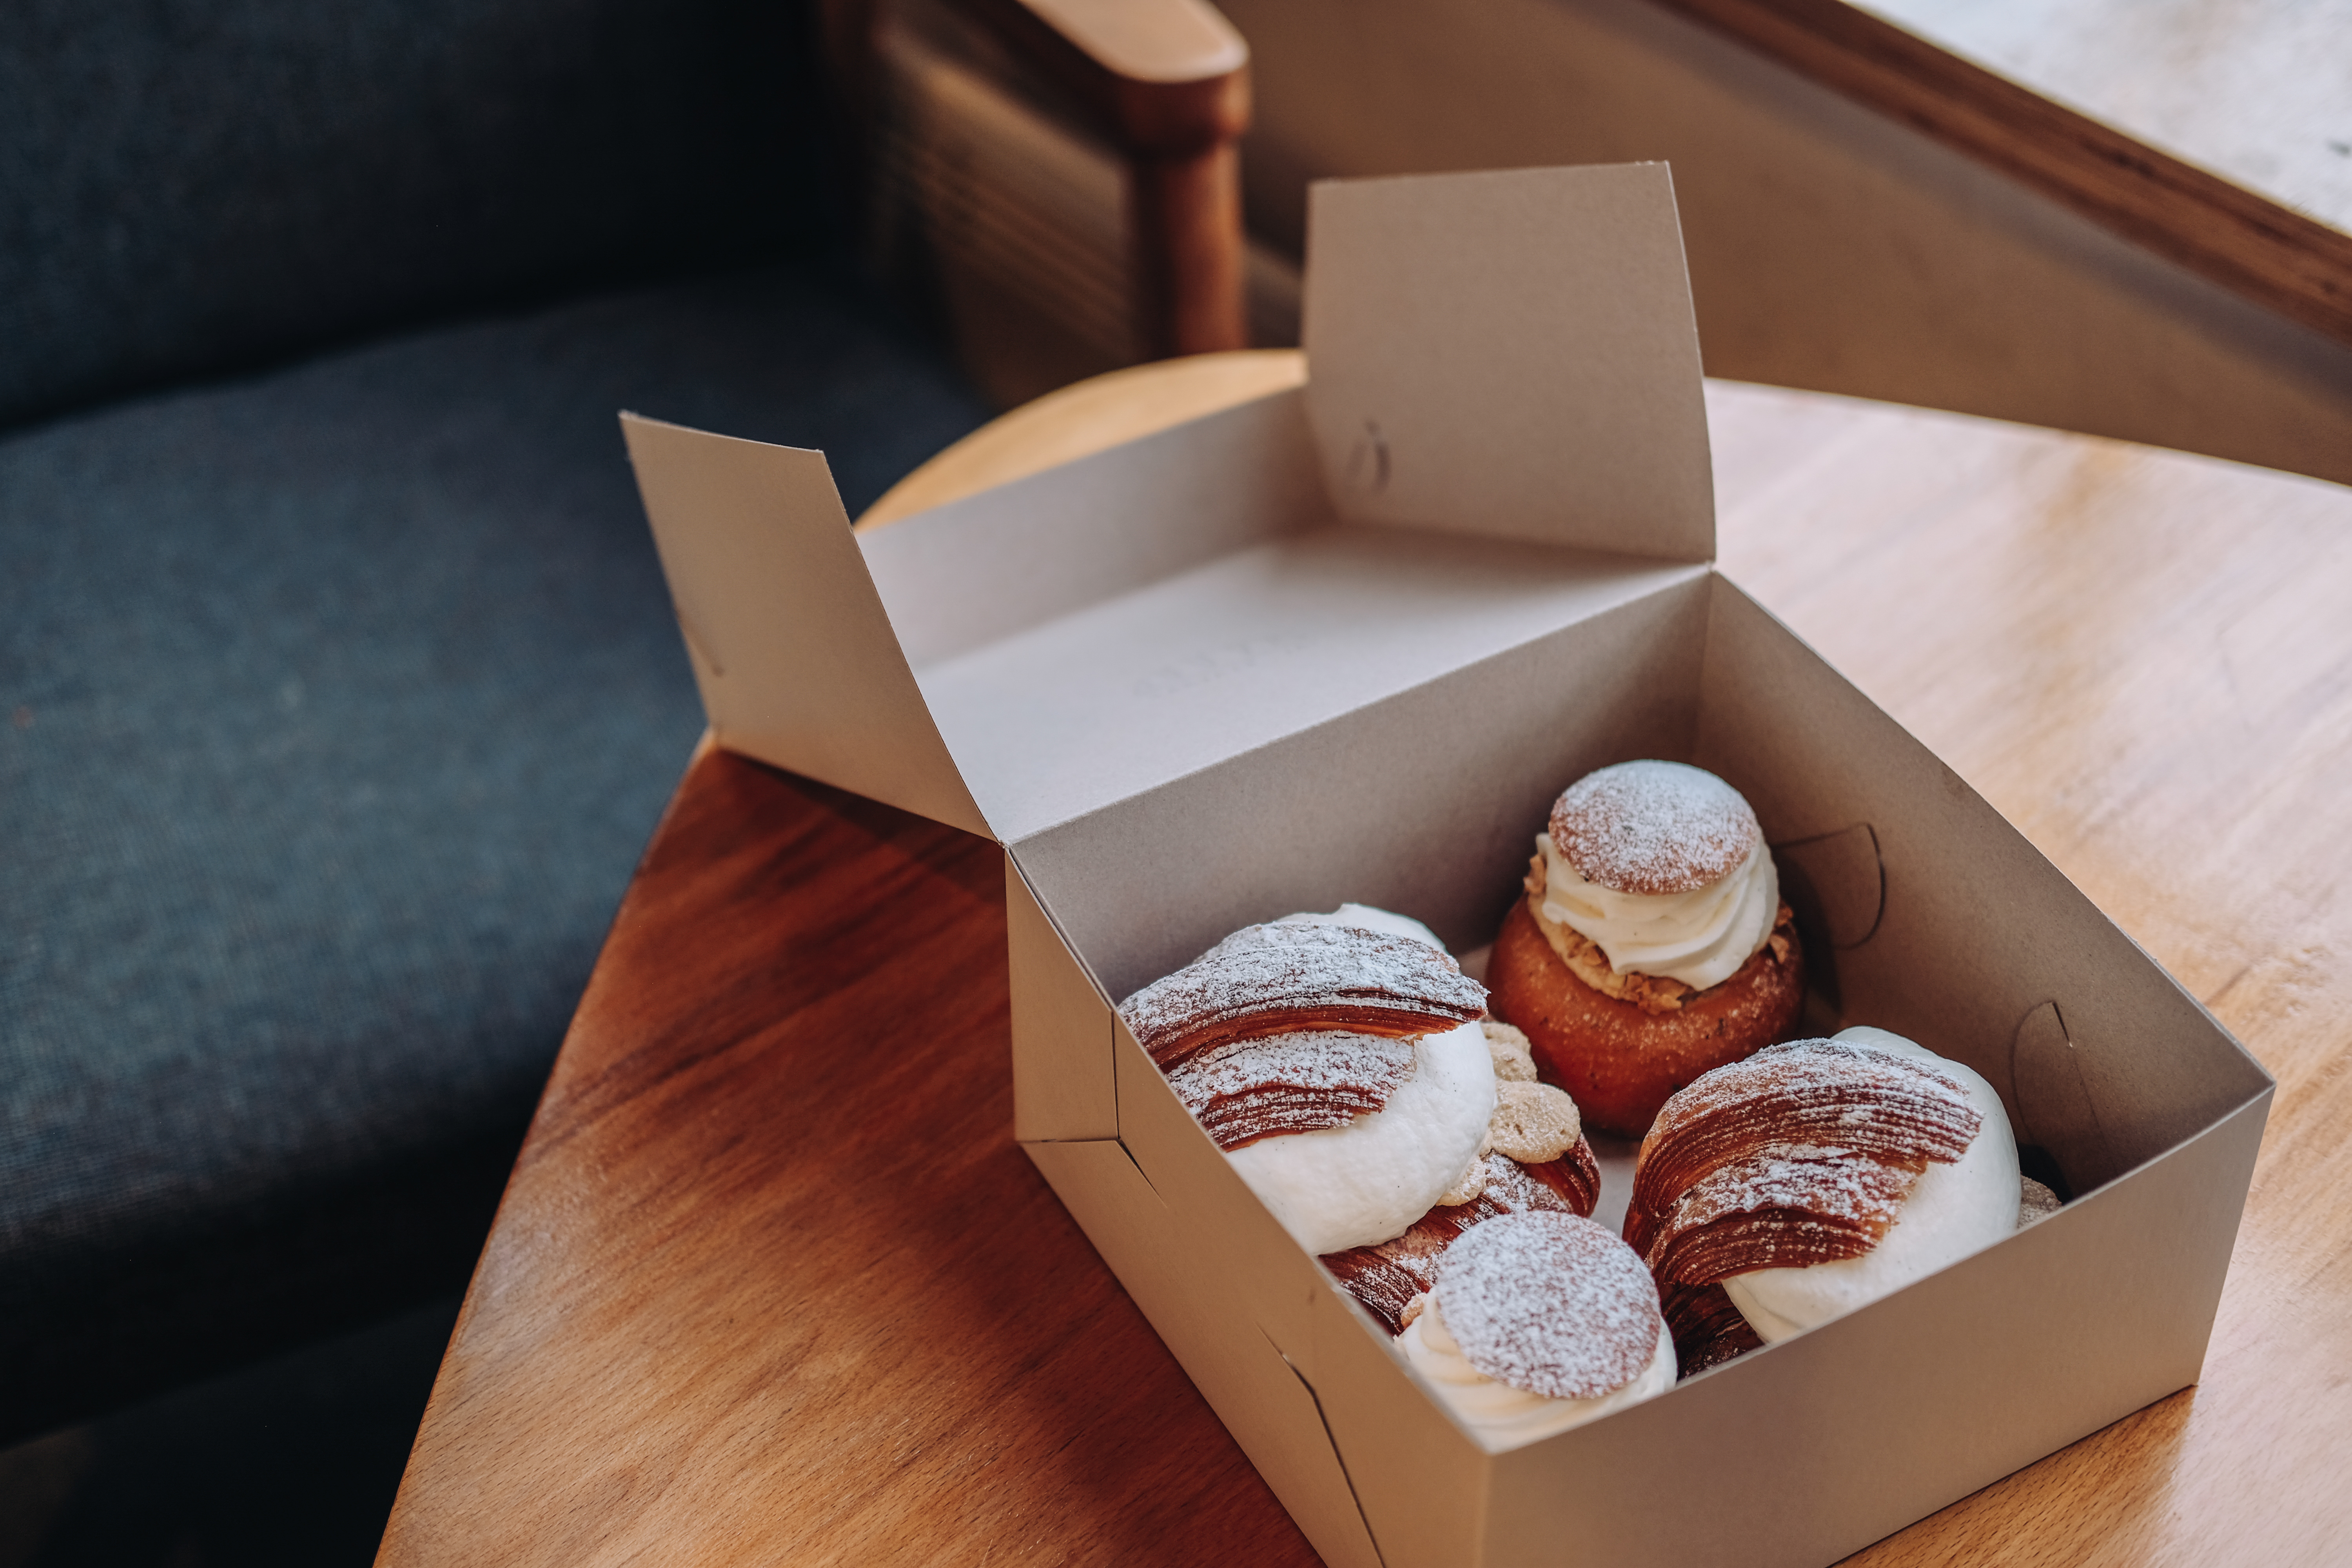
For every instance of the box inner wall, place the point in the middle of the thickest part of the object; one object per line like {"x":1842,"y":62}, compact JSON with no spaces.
{"x":1428,"y":801}
{"x":1425,"y":801}
{"x":1979,"y":931}
{"x":1113,"y":699}
{"x":997,"y":562}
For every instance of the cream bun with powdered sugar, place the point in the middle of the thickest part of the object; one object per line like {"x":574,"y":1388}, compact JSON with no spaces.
{"x":1813,"y":1178}
{"x":1342,"y":1069}
{"x":1652,"y":945}
{"x":1535,"y":1159}
{"x":1538,"y":1322}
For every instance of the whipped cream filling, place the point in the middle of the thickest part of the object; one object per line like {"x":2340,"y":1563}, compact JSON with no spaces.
{"x":1953,"y":1210}
{"x":1501,"y":1415}
{"x":1364,"y":916}
{"x":1700,"y":938}
{"x":1339,"y":1187}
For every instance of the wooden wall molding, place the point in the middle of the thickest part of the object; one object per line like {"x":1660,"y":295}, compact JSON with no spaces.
{"x":2245,"y":242}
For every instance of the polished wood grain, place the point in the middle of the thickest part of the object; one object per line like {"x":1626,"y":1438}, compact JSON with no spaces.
{"x":2145,"y":661}
{"x":772,"y":1284}
{"x":2266,"y":245}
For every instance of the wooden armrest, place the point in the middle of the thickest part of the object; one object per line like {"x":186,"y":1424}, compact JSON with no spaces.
{"x":1165,"y":77}
{"x":1168,"y":80}
{"x":1166,"y":83}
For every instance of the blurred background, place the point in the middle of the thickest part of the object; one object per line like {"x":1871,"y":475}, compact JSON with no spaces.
{"x":342,"y":686}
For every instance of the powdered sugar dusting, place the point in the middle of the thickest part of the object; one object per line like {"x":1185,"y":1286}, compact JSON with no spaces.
{"x":1386,"y":1276}
{"x":1269,"y":979}
{"x":1652,"y":828}
{"x":1803,"y":1153}
{"x":1244,"y":1090}
{"x":1511,"y":1188}
{"x":1785,"y":1206}
{"x":1550,"y":1304}
{"x":1833,"y":1185}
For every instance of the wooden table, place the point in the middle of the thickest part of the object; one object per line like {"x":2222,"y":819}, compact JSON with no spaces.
{"x":771,"y":1283}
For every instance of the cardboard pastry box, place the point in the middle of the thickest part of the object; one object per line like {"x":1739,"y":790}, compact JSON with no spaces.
{"x":1346,"y":643}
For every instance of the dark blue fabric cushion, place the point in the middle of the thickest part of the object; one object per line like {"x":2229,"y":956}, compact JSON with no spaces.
{"x":335,"y":708}
{"x":189,"y":186}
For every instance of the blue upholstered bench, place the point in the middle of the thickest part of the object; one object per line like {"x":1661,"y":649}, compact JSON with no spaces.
{"x":339,"y":689}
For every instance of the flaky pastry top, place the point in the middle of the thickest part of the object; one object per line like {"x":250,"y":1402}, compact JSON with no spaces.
{"x":1802,"y":1153}
{"x":1278,"y":979}
{"x":1243,"y":1090}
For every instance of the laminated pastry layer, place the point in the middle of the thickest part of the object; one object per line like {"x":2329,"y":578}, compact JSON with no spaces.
{"x":1298,"y":1081}
{"x":1350,"y":1185}
{"x":1801,"y":1153}
{"x":1785,"y":1189}
{"x":1340,"y":1068}
{"x":1278,"y":978}
{"x":1386,"y":1276}
{"x":1952,"y":1210}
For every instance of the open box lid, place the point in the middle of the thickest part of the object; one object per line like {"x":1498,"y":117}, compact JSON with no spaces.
{"x":1504,"y":432}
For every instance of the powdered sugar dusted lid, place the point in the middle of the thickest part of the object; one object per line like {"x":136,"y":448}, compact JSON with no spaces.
{"x":1549,"y":1303}
{"x":1652,"y":828}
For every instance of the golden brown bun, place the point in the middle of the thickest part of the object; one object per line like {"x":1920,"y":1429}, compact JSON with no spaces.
{"x":1618,"y":1062}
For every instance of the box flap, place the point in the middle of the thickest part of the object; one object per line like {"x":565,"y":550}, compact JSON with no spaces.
{"x":793,"y":650}
{"x":1093,"y":631}
{"x":1511,"y":354}
{"x":1033,"y":653}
